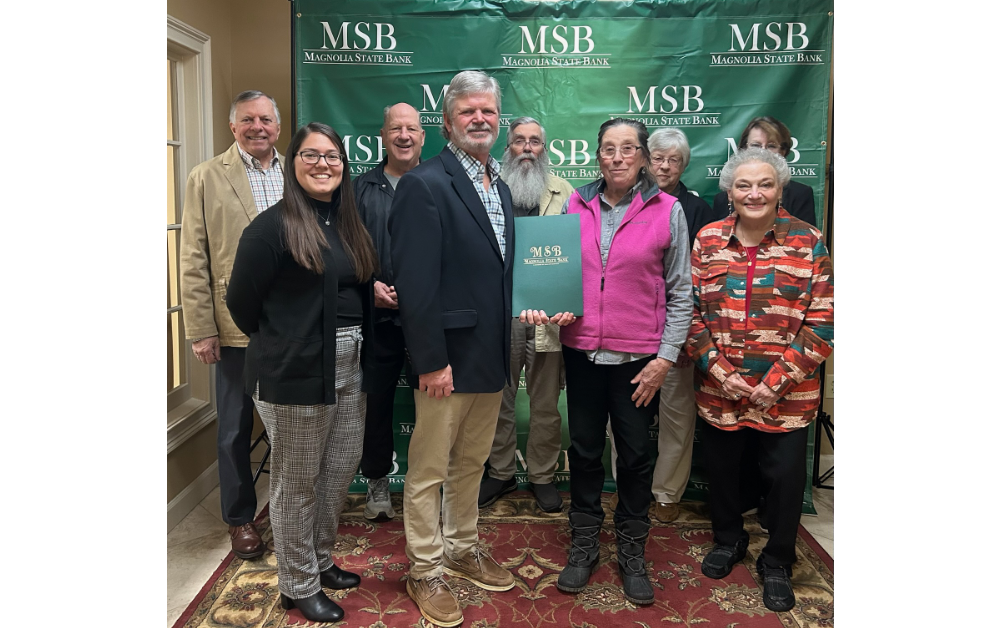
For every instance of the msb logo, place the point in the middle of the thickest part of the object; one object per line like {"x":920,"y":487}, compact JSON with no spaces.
{"x":668,"y":105}
{"x":559,"y":46}
{"x":774,"y":43}
{"x":358,"y":43}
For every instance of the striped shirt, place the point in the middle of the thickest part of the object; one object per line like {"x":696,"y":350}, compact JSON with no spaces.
{"x":267,"y":185}
{"x":490,"y":198}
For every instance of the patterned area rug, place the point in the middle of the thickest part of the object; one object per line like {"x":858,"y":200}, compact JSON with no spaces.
{"x":533,"y":545}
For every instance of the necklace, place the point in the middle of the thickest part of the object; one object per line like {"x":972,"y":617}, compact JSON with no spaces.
{"x":328,"y":214}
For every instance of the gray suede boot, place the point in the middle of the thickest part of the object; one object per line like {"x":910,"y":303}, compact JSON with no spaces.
{"x":632,"y":535}
{"x":583,"y":552}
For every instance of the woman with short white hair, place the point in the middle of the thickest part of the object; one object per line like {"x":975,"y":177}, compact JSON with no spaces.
{"x":763,"y":323}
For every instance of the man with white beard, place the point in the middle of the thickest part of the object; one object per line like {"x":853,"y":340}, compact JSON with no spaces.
{"x":535,"y":192}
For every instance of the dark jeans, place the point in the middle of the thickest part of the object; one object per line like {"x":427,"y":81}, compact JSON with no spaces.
{"x":235,"y":408}
{"x":593,"y":392}
{"x":387,"y":352}
{"x":782,"y":461}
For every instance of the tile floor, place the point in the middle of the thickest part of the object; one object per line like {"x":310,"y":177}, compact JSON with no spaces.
{"x":199,"y":543}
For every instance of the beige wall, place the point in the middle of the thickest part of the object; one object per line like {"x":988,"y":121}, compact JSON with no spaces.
{"x":251,"y":49}
{"x":190,"y":460}
{"x":264,"y":62}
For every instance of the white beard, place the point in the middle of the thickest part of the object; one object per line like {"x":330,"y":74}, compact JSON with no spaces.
{"x":526,"y":183}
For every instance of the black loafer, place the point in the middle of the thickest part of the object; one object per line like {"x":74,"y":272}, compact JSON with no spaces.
{"x":721,"y":559}
{"x":337,"y":578}
{"x":778,"y":594}
{"x":316,"y":607}
{"x":547,"y":496}
{"x":491,"y":489}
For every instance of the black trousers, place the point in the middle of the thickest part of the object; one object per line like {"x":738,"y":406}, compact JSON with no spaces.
{"x":235,"y":408}
{"x":387,"y":353}
{"x":782,"y":461}
{"x":593,"y":392}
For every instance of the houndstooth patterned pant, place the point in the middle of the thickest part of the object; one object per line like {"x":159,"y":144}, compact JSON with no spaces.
{"x":315,"y":452}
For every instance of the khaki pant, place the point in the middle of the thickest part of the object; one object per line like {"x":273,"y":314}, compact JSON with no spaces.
{"x":451,"y":440}
{"x":678,"y":414}
{"x":543,"y":372}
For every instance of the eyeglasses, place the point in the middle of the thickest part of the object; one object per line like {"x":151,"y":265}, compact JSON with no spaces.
{"x":673,"y":162}
{"x":628,"y":150}
{"x":533,"y":142}
{"x":771,"y":146}
{"x":311,"y":158}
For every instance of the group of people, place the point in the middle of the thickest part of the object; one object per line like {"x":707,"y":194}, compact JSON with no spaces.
{"x":311,"y":292}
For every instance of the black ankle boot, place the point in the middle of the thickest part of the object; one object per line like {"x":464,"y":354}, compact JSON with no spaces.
{"x":632,"y":535}
{"x":337,"y":578}
{"x":316,"y":607}
{"x":583,"y":553}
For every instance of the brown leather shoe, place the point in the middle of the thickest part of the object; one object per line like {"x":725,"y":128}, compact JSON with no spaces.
{"x":435,"y":600}
{"x":665,"y":513}
{"x":479,"y":568}
{"x":246,"y":541}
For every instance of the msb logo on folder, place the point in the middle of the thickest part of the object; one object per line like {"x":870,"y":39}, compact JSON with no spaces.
{"x":547,"y":269}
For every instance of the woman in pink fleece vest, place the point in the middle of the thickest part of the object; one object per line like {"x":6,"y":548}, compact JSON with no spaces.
{"x":636,"y":313}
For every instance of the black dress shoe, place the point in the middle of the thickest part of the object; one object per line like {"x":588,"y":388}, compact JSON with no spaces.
{"x":337,"y":578}
{"x":316,"y":607}
{"x":778,"y":594}
{"x":491,"y":489}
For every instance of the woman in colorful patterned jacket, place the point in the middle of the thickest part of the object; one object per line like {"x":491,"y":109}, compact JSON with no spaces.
{"x":758,"y":352}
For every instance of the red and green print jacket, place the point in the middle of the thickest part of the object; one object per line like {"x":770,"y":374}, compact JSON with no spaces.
{"x":789,"y":331}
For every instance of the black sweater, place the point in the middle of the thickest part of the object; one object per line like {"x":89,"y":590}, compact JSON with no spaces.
{"x":289,"y":312}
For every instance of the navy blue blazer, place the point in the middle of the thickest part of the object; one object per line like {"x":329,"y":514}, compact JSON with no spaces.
{"x":454,"y":287}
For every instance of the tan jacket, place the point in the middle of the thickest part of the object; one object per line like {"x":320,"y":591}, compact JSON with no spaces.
{"x":218,"y":205}
{"x":555,"y":196}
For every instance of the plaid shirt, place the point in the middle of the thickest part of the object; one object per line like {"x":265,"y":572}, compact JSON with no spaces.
{"x":789,"y":331}
{"x":490,"y":198}
{"x":267,"y":185}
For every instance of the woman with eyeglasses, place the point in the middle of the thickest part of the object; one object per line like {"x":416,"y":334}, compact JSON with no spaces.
{"x":301,"y":289}
{"x":769,"y":133}
{"x":636,"y":313}
{"x":670,"y":156}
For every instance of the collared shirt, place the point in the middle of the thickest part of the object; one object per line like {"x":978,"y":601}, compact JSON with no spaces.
{"x":267,"y":185}
{"x":491,"y":197}
{"x":788,"y":333}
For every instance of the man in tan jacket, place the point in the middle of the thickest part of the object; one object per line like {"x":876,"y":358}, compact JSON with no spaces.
{"x":222,"y":196}
{"x":535,"y":192}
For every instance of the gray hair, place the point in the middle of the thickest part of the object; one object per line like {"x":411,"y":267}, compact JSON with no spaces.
{"x":465,"y":83}
{"x":671,"y":138}
{"x":516,"y":122}
{"x":247,"y":96}
{"x":750,"y":155}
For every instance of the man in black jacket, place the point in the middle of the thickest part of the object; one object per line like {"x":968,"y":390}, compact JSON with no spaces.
{"x":452,"y":244}
{"x":403,"y":138}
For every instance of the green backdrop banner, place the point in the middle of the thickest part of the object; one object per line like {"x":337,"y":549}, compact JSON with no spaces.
{"x":704,"y":66}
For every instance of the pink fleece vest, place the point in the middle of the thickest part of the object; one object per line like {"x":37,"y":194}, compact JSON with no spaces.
{"x":624,"y":305}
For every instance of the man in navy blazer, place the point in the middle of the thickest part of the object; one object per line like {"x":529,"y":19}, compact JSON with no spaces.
{"x":452,"y":238}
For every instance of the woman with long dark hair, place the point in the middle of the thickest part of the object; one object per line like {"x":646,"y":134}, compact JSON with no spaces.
{"x":301,"y":289}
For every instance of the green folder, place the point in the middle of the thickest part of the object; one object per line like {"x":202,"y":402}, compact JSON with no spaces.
{"x":548,"y":273}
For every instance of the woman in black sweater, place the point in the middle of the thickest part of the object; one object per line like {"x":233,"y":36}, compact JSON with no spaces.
{"x":301,"y":289}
